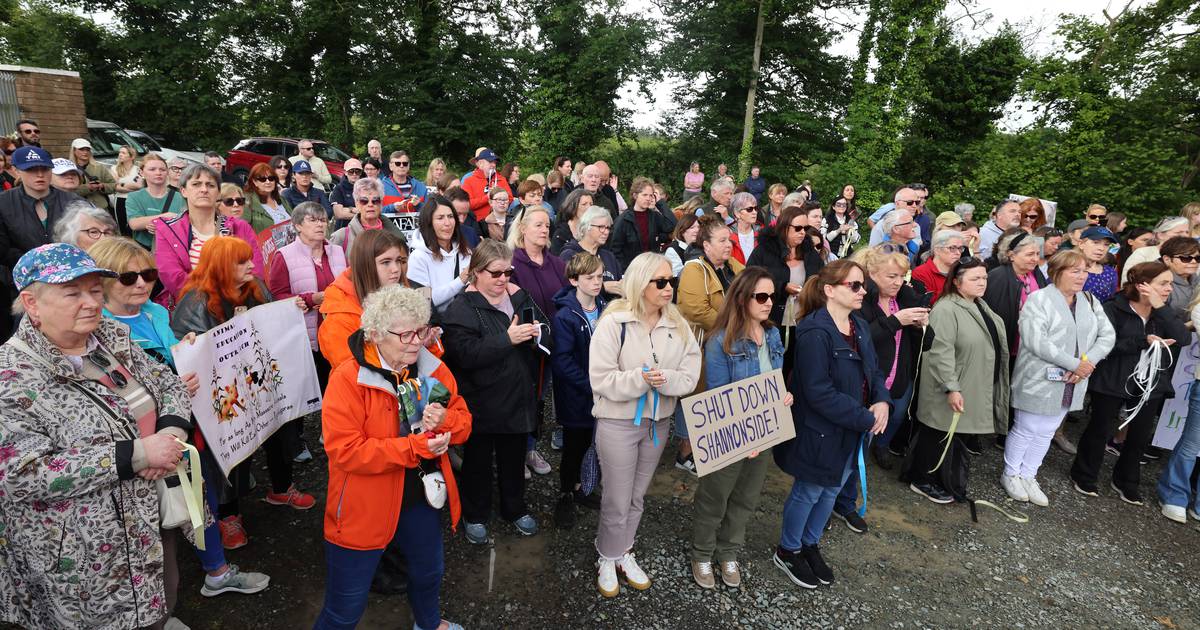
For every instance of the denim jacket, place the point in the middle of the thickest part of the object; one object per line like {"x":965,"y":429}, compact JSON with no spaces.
{"x":721,"y":369}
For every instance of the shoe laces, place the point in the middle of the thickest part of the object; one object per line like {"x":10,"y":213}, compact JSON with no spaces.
{"x":629,"y":565}
{"x":705,"y":568}
{"x":729,"y":566}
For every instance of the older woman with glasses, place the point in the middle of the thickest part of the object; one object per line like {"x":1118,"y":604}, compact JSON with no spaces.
{"x":948,"y":245}
{"x":368,"y":215}
{"x":83,"y":224}
{"x":595,"y":226}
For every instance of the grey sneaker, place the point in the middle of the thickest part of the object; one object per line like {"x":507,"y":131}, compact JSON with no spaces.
{"x":304,"y":456}
{"x":477,"y":533}
{"x":526,"y":525}
{"x":234,"y":581}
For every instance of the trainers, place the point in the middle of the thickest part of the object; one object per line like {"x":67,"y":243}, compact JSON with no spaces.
{"x":587,"y":500}
{"x":897,"y":450}
{"x":528,"y":474}
{"x":855,"y":522}
{"x":606,"y":578}
{"x":1113,"y":448}
{"x":796,"y":568}
{"x":972,"y":444}
{"x":1194,"y":514}
{"x":1153,"y":453}
{"x":702,"y":572}
{"x":477,"y":533}
{"x":812,"y":555}
{"x":292,"y":497}
{"x":233,"y":533}
{"x":634,"y":576}
{"x":234,"y":581}
{"x":1175,"y":513}
{"x":1086,"y":489}
{"x":1132,"y":497}
{"x":999,"y":443}
{"x":535,"y":461}
{"x":731,"y":574}
{"x":556,"y":439}
{"x":931,"y":492}
{"x":305,"y":454}
{"x":1034,"y":491}
{"x":564,"y":511}
{"x":687,"y":464}
{"x":1015,"y":489}
{"x":450,"y":625}
{"x":526,"y":525}
{"x":1060,"y":440}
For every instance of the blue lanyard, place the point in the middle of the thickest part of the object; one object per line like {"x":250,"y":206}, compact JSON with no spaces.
{"x":641,"y":407}
{"x":862,"y":473}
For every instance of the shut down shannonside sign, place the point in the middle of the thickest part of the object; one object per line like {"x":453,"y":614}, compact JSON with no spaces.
{"x":728,"y":423}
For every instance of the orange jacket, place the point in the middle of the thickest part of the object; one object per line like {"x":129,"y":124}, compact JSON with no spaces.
{"x":476,"y":187}
{"x":343,"y":313}
{"x":367,"y":456}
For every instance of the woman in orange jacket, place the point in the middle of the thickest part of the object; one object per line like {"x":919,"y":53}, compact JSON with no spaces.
{"x":389,"y":479}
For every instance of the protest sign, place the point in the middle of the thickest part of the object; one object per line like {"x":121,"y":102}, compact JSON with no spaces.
{"x":406,"y":222}
{"x":726,"y":424}
{"x":273,"y":238}
{"x":256,"y":373}
{"x":1175,"y":411}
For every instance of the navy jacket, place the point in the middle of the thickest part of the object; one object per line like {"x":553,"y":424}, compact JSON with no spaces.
{"x":828,"y":409}
{"x":569,"y":361}
{"x":315,"y":195}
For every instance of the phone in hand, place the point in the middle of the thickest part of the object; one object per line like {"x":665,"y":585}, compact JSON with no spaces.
{"x":1056,"y":374}
{"x":527,"y":315}
{"x":926,"y":300}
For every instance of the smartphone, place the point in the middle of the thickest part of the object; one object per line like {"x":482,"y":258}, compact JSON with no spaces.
{"x":926,"y":300}
{"x":527,"y":315}
{"x":1056,"y":374}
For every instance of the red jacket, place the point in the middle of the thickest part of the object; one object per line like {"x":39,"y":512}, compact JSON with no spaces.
{"x":367,"y":456}
{"x":737,"y":252}
{"x":476,"y":186}
{"x":933,"y":279}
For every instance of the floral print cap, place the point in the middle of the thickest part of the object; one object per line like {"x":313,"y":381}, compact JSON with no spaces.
{"x":56,"y":263}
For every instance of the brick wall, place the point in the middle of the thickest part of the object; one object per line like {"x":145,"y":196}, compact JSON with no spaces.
{"x":55,"y":100}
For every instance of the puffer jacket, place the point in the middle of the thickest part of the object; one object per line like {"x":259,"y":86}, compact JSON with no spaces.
{"x":1112,"y":374}
{"x":79,"y":530}
{"x":771,"y":255}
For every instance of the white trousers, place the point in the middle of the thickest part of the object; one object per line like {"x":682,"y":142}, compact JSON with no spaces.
{"x":1028,"y":441}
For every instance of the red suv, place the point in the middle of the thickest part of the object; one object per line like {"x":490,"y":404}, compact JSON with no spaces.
{"x":251,"y":151}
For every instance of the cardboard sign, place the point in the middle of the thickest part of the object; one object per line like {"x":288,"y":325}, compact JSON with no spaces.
{"x":1175,"y":411}
{"x":256,"y":374}
{"x":728,"y":423}
{"x":406,"y":222}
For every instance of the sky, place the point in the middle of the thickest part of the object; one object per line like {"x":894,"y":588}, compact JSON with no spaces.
{"x":1036,"y":18}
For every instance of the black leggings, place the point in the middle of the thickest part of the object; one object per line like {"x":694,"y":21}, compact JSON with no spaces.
{"x":279,"y":464}
{"x":1101,"y":426}
{"x":575,"y":445}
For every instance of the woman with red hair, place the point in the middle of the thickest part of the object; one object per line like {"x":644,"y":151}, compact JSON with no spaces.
{"x":265,"y":206}
{"x":222,"y":285}
{"x":1033,"y":214}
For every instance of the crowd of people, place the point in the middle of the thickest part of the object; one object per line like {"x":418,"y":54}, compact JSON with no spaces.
{"x":442,"y":350}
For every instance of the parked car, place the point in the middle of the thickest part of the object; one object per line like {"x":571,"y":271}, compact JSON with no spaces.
{"x":150,"y":143}
{"x":107,"y":138}
{"x":251,"y":151}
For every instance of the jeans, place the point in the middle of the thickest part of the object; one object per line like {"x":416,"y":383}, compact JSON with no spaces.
{"x":349,"y":572}
{"x":847,"y":499}
{"x":807,"y":510}
{"x":1175,"y":486}
{"x":899,"y":413}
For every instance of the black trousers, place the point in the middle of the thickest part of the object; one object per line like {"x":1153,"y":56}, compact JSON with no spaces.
{"x":475,"y":481}
{"x":575,"y":446}
{"x":1101,"y":427}
{"x":924,"y":451}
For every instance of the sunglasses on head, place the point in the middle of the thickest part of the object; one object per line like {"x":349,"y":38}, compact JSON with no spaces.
{"x":762,"y":298}
{"x":507,"y":273}
{"x":855,"y":286}
{"x":965,"y":264}
{"x":661,"y":283}
{"x":234,"y":201}
{"x":129,"y":278}
{"x":262,"y":179}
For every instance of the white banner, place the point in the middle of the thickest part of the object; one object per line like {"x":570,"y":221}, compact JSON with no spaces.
{"x":1175,"y":412}
{"x":256,"y":373}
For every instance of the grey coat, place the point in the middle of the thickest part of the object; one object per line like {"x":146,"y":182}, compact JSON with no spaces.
{"x":961,"y":359}
{"x":1051,"y":337}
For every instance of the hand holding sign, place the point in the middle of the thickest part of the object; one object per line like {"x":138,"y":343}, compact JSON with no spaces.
{"x":740,"y":420}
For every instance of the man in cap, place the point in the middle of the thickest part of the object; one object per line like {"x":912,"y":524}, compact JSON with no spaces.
{"x":302,"y":188}
{"x":482,"y":180}
{"x":308,"y":152}
{"x":97,"y":182}
{"x":64,"y":175}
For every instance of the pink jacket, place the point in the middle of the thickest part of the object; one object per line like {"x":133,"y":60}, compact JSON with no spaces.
{"x":173,"y":238}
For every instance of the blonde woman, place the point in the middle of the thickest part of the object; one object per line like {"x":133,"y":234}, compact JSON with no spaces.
{"x":233,"y":201}
{"x":1191,"y":212}
{"x":642,"y":350}
{"x":126,"y":172}
{"x":434,"y":175}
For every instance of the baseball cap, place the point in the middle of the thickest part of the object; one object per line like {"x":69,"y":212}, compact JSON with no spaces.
{"x":62,"y":166}
{"x":301,"y":166}
{"x":25,"y":158}
{"x":1097,"y":233}
{"x":949,"y":218}
{"x":81,"y":143}
{"x":350,"y":164}
{"x":1077,"y":224}
{"x":56,"y":263}
{"x":484,"y":153}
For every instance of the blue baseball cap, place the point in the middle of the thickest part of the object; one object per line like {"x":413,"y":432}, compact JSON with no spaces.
{"x":25,"y":158}
{"x":56,"y":263}
{"x":301,"y":166}
{"x":485,"y":153}
{"x":1097,"y":233}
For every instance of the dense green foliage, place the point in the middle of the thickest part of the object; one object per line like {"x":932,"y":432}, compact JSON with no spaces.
{"x":1110,"y":116}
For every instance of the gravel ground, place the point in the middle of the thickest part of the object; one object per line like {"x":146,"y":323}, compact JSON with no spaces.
{"x":1081,"y":563}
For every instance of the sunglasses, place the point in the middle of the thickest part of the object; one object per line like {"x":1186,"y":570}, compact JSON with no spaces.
{"x":661,"y":283}
{"x":1187,"y":259}
{"x":355,"y":171}
{"x":761,"y":298}
{"x":1031,"y":217}
{"x":234,"y":201}
{"x":262,"y":179}
{"x":909,"y":202}
{"x":892,"y":248}
{"x":855,"y":286}
{"x":965,"y":264}
{"x":306,"y":148}
{"x":30,"y":131}
{"x":129,"y":278}
{"x":750,"y":209}
{"x":398,"y":163}
{"x":105,"y":366}
{"x":1096,"y":217}
{"x":554,"y":190}
{"x":798,"y":228}
{"x":369,"y":201}
{"x":507,"y":273}
{"x":410,"y":336}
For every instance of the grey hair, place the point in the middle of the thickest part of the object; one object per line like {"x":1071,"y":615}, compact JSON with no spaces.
{"x":964,"y":208}
{"x":1004,"y":254}
{"x":1169,"y":223}
{"x":590,"y":215}
{"x":305,"y":210}
{"x":889,"y":221}
{"x":741,"y":200}
{"x":67,"y":228}
{"x":194,"y":170}
{"x":721,"y":184}
{"x":794,"y":199}
{"x":941,"y":238}
{"x":368,"y":184}
{"x":387,"y":306}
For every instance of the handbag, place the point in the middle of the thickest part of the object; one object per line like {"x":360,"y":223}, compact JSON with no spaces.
{"x":435,"y":487}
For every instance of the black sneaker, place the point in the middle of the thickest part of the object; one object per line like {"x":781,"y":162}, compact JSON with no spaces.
{"x":897,"y":450}
{"x":812,"y":555}
{"x":1130,"y":495}
{"x":591,"y":501}
{"x":1113,"y":448}
{"x":972,"y":444}
{"x":687,"y":464}
{"x":796,"y":568}
{"x":880,"y":456}
{"x":932,"y":492}
{"x":999,"y":443}
{"x":1086,"y":489}
{"x":1153,"y":453}
{"x":854,"y":522}
{"x":564,"y":512}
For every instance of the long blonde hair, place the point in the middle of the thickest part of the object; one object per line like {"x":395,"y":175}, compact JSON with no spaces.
{"x":1189,"y":212}
{"x":637,"y":277}
{"x":516,"y":238}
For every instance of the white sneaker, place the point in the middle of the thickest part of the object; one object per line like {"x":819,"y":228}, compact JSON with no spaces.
{"x":1013,"y":486}
{"x":1034,"y":492}
{"x":1194,"y":514}
{"x":175,"y":624}
{"x":606,"y":579}
{"x":528,"y":475}
{"x":1175,"y":513}
{"x":633,"y":573}
{"x":534,"y":460}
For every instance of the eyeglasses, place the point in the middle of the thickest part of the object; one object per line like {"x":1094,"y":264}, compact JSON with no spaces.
{"x":102,"y":362}
{"x":954,"y":248}
{"x":903,"y":224}
{"x":603,"y":228}
{"x":400,"y":163}
{"x":507,"y":273}
{"x":355,"y":171}
{"x":1186,"y":259}
{"x":176,"y":169}
{"x":499,"y":199}
{"x":96,"y":233}
{"x":234,"y":201}
{"x":369,"y":201}
{"x":661,"y":283}
{"x":1096,"y":217}
{"x":761,"y":298}
{"x":262,"y":179}
{"x":840,"y":204}
{"x":129,"y":278}
{"x":316,"y":219}
{"x":410,"y":336}
{"x":855,"y":286}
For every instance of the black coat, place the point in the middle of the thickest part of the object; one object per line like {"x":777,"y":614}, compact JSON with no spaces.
{"x":627,"y":244}
{"x":20,"y":228}
{"x":1004,"y":296}
{"x":498,"y":380}
{"x":883,"y":336}
{"x":1112,"y":374}
{"x":771,"y":255}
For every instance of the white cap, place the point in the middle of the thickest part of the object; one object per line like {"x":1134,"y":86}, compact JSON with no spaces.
{"x":62,"y":166}
{"x":81,"y":143}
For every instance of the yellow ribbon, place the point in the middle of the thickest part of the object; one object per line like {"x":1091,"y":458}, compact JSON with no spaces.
{"x":193,"y":490}
{"x":949,"y":437}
